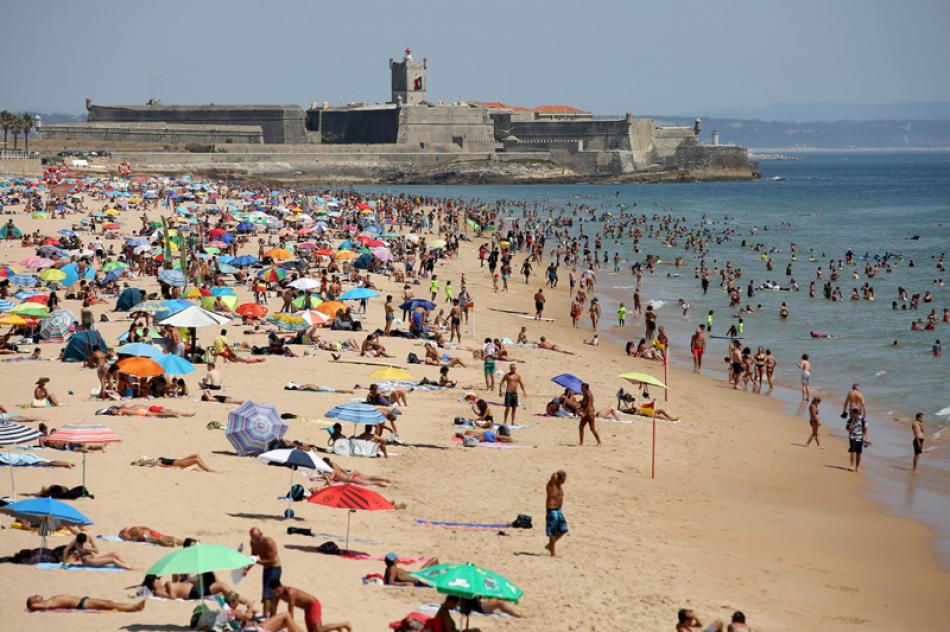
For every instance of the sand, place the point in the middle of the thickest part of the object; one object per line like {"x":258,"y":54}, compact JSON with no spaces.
{"x":740,"y":515}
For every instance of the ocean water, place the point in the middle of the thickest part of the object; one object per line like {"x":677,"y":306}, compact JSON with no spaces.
{"x":827,"y":203}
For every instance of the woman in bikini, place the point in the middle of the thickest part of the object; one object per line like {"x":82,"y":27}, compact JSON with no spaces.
{"x":144,"y":534}
{"x":182,"y":463}
{"x":83,"y":552}
{"x":759,"y":360}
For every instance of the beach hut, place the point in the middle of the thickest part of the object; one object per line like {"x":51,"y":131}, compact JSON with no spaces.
{"x":81,"y":345}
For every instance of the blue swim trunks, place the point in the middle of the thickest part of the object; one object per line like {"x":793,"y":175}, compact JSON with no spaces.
{"x":268,"y":575}
{"x":555,"y":523}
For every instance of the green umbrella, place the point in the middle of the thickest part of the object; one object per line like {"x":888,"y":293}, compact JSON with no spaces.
{"x":315,"y":300}
{"x":31,"y":309}
{"x":469,"y":581}
{"x":389,"y":235}
{"x":642,"y":378}
{"x":198,"y":559}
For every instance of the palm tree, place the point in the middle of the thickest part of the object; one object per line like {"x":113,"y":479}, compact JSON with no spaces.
{"x":26,"y":124}
{"x":15,"y":124}
{"x":6,"y":122}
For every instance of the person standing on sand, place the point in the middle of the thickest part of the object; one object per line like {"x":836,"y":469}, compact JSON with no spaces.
{"x":267,"y":556}
{"x":390,"y":314}
{"x":588,"y":414}
{"x":918,"y":429}
{"x":854,"y":399}
{"x":857,"y":428}
{"x":594,"y":312}
{"x":509,"y":384}
{"x":815,"y":420}
{"x":805,"y":365}
{"x":698,"y":346}
{"x":538,"y":304}
{"x":555,"y":523}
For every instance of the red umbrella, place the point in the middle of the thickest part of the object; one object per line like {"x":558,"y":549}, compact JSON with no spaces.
{"x":352,"y":498}
{"x":251,"y":310}
{"x":217,"y":232}
{"x":112,"y":226}
{"x":38,"y":298}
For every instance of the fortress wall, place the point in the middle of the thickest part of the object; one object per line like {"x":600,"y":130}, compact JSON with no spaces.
{"x":152,"y":133}
{"x":359,"y":126}
{"x":666,"y":140}
{"x":594,"y":134}
{"x":279,"y":123}
{"x":21,"y":167}
{"x":471,"y":128}
{"x":714,"y":161}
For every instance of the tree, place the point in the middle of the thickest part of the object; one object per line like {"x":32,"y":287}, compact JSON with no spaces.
{"x":26,"y":124}
{"x":15,"y":124}
{"x":6,"y":122}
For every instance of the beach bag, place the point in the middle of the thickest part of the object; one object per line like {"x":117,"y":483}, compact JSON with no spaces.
{"x":358,"y":447}
{"x":202,"y":618}
{"x":341,"y":447}
{"x":329,"y":548}
{"x":413,"y":359}
{"x":470,"y":442}
{"x":523,"y":521}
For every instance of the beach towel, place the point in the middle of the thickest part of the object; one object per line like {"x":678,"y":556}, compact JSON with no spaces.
{"x":469,"y":526}
{"x":499,"y":446}
{"x":434,"y":607}
{"x":54,"y":566}
{"x":353,"y":555}
{"x":115,"y":538}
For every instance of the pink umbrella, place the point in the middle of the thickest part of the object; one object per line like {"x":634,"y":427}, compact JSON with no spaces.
{"x":382,"y":254}
{"x":80,"y":434}
{"x":37,"y":263}
{"x":307,"y":245}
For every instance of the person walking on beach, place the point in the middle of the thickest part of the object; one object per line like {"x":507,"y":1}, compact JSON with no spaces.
{"x":805,"y":365}
{"x":555,"y":523}
{"x":267,"y":556}
{"x":698,"y":346}
{"x":918,"y":429}
{"x":621,"y":315}
{"x":854,"y":399}
{"x":510,"y":384}
{"x":857,"y":428}
{"x":594,"y":312}
{"x":815,"y":421}
{"x":538,"y":304}
{"x":588,"y":414}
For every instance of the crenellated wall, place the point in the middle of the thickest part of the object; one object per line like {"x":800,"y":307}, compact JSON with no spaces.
{"x":165,"y":133}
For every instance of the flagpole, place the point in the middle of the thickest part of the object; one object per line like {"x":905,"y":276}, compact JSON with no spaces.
{"x":653,"y":455}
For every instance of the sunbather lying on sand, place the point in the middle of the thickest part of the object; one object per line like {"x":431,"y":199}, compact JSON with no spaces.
{"x":340,"y":475}
{"x":182,"y":463}
{"x":394,"y":575}
{"x":36,"y":603}
{"x":207,"y":396}
{"x":315,"y":388}
{"x":126,"y":410}
{"x":649,"y":411}
{"x":485,"y":436}
{"x":83,"y":552}
{"x":488,"y":606}
{"x":185,"y":590}
{"x":144,"y":534}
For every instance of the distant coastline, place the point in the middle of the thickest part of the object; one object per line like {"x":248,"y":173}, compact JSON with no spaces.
{"x":761,"y":153}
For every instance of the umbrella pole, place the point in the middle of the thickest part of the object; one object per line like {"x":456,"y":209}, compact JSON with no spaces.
{"x":290,"y":498}
{"x":12,"y":481}
{"x":84,"y":494}
{"x":653,"y":455}
{"x":666,"y":373}
{"x":348,"y":513}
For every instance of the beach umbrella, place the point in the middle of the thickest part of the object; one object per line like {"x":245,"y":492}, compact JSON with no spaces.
{"x":272,"y":274}
{"x":330,"y":308}
{"x":352,"y":498}
{"x":642,"y":378}
{"x":313,"y":317}
{"x":152,"y":334}
{"x":52,"y":275}
{"x":300,"y":301}
{"x":24,"y":280}
{"x":252,"y":310}
{"x":305,"y":284}
{"x":244,"y":261}
{"x":175,"y":365}
{"x":279,"y":253}
{"x":413,"y":303}
{"x":6,"y":305}
{"x":12,"y":433}
{"x":468,"y":581}
{"x":114,"y":265}
{"x":174,"y":278}
{"x":140,"y":349}
{"x":252,"y":426}
{"x":56,"y":325}
{"x":81,"y":434}
{"x":346,"y":255}
{"x":36,"y":262}
{"x":51,"y":513}
{"x":293,"y":459}
{"x":568,"y":381}
{"x":436,"y":244}
{"x":358,"y":293}
{"x":356,"y":413}
{"x":13,"y":320}
{"x":197,"y":292}
{"x":290,"y":322}
{"x":34,"y":310}
{"x":199,"y":559}
{"x":383,"y":254}
{"x":141,"y":367}
{"x":194,"y":316}
{"x":391,"y":374}
{"x":323,"y":252}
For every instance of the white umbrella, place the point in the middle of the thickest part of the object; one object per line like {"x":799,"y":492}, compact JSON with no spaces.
{"x":195,"y":316}
{"x":305,"y":284}
{"x":294,"y":458}
{"x":13,"y":433}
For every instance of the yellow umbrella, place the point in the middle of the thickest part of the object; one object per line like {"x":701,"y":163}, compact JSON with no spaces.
{"x":642,"y":378}
{"x":12,"y":320}
{"x":392,"y":373}
{"x":437,"y":243}
{"x":113,"y":212}
{"x":52,"y":274}
{"x":346,"y":255}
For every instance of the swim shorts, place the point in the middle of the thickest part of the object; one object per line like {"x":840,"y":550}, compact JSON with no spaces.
{"x":697,"y":352}
{"x":511,"y":399}
{"x":314,"y":615}
{"x":489,"y":437}
{"x":918,"y":446}
{"x":270,"y":574}
{"x":489,"y":366}
{"x":737,"y":368}
{"x":555,"y":523}
{"x":856,"y":445}
{"x":806,"y":377}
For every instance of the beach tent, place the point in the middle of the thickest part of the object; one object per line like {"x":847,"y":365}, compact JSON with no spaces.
{"x":363,"y":261}
{"x":130,"y":297}
{"x":5,"y":229}
{"x":81,"y":344}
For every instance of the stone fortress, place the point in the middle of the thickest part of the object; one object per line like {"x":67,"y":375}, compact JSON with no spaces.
{"x":408,"y":139}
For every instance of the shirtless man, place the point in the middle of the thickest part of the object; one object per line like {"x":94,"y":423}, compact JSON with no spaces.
{"x":144,"y":534}
{"x":738,"y":623}
{"x":736,"y":365}
{"x":36,"y":603}
{"x":396,"y":576}
{"x":588,"y":414}
{"x":509,"y":386}
{"x":555,"y":523}
{"x":267,"y":556}
{"x":687,"y":621}
{"x":455,"y":321}
{"x":313,"y":610}
{"x":815,"y":421}
{"x":538,"y":304}
{"x":698,"y":346}
{"x":918,"y":429}
{"x":550,"y":346}
{"x":854,"y":399}
{"x":182,"y":463}
{"x":805,"y":365}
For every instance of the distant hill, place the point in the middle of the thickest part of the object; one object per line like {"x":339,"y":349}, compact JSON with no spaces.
{"x":879,"y":134}
{"x":839,"y":111}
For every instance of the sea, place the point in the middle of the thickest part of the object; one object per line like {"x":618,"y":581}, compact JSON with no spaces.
{"x":827,"y":204}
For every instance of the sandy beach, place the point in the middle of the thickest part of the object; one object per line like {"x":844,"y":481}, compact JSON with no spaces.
{"x":739,"y":517}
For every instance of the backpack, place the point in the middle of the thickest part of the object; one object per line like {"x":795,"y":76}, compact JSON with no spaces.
{"x":413,"y":359}
{"x":470,"y":442}
{"x":523,"y":521}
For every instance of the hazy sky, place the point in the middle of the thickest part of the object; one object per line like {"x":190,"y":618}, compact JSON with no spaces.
{"x":660,"y":56}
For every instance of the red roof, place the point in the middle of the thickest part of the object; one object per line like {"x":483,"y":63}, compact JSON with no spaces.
{"x":558,"y":109}
{"x":498,"y":105}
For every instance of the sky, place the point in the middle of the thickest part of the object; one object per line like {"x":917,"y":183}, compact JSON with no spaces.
{"x":607,"y":56}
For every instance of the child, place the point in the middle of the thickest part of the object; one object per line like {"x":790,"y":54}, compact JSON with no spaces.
{"x":621,"y":314}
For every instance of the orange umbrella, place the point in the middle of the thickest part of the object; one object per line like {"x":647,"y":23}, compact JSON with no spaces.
{"x":140,"y":367}
{"x":330,"y":308}
{"x":346,"y":255}
{"x":251,"y":310}
{"x":279,"y":253}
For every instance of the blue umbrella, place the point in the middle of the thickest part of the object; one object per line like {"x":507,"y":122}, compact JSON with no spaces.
{"x":5,"y":305}
{"x":245,"y":227}
{"x":175,"y":365}
{"x":413,"y":303}
{"x":24,"y":280}
{"x":244,"y":261}
{"x":175,"y":278}
{"x":356,"y":413}
{"x":222,"y":291}
{"x":140,"y":349}
{"x":51,"y":514}
{"x":171,"y":307}
{"x":568,"y":381}
{"x":359,"y":293}
{"x":67,"y":232}
{"x":225,"y":268}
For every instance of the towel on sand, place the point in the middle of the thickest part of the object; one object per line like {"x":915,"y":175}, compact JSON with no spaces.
{"x":115,"y":538}
{"x":498,"y":445}
{"x":52,"y":566}
{"x":493,"y":526}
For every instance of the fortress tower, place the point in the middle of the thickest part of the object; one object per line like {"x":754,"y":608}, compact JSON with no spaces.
{"x":408,"y":80}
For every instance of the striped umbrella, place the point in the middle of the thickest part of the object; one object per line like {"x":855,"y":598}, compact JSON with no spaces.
{"x":288,"y":321}
{"x":352,"y":498}
{"x":313,"y":317}
{"x":174,"y":278}
{"x":81,"y":434}
{"x":251,"y":426}
{"x":5,"y":305}
{"x":57,"y":325}
{"x":356,"y":413}
{"x":12,"y":433}
{"x":272,"y":275}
